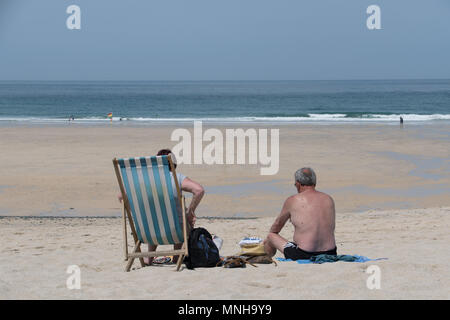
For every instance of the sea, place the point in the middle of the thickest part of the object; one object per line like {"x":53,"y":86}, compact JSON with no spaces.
{"x":149,"y":102}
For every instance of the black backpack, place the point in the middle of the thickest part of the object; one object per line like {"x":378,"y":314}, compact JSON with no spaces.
{"x":202,"y":250}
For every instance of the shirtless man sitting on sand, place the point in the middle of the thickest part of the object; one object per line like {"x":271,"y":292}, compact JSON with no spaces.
{"x":313,"y":216}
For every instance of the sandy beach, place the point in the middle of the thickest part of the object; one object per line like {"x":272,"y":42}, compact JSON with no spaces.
{"x":37,"y":252}
{"x":390,"y":185}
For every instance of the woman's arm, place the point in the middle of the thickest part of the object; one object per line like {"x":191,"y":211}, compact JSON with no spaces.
{"x":197,"y":191}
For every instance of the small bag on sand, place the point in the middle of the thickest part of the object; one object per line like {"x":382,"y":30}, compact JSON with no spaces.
{"x":265,"y":259}
{"x":234,"y":262}
{"x":252,"y":250}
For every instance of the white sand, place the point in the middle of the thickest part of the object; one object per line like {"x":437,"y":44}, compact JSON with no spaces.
{"x":35,"y":254}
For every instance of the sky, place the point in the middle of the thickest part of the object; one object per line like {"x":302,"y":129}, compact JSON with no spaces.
{"x":224,"y":40}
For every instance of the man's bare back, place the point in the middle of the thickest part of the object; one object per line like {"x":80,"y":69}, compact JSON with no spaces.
{"x":313,"y":215}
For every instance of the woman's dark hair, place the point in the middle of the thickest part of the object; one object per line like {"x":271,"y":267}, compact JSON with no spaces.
{"x":165,"y":152}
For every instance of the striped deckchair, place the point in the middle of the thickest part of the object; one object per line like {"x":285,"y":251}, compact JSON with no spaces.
{"x":150,"y":206}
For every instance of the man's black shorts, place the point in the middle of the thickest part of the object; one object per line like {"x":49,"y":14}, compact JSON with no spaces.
{"x":293,"y":252}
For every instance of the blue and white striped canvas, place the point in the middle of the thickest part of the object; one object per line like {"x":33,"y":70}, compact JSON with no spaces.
{"x":148,"y":185}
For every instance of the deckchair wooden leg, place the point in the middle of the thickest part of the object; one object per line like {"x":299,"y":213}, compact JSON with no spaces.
{"x":183,"y":210}
{"x":124,"y":225}
{"x":137,"y":248}
{"x":125,"y":249}
{"x":141,"y":260}
{"x":180,"y":260}
{"x":129,"y":264}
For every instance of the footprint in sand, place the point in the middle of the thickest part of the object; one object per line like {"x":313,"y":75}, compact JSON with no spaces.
{"x":85,"y":266}
{"x":258,"y":285}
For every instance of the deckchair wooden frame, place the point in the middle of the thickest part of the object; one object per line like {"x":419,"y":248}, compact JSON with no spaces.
{"x":126,"y":215}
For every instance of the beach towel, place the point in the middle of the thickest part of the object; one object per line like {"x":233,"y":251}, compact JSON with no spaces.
{"x":324,"y":258}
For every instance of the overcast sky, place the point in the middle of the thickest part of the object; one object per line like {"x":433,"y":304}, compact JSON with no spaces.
{"x":224,"y":40}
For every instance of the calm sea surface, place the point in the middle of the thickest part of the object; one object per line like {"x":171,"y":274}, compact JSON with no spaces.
{"x":227,"y":101}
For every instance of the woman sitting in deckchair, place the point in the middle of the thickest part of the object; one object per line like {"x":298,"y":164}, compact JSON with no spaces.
{"x":187,"y":185}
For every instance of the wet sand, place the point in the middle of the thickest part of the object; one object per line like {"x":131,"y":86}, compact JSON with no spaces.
{"x":67,"y":170}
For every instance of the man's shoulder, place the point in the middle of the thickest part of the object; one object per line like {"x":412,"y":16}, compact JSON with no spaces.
{"x":293,"y":199}
{"x":323,"y":196}
{"x":319,"y":195}
{"x":300,"y":196}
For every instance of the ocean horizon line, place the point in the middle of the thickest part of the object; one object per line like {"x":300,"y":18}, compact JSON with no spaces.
{"x":220,"y":80}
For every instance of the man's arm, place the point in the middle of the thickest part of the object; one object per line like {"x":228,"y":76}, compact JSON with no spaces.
{"x":274,"y":241}
{"x":197,"y":191}
{"x":284,"y":215}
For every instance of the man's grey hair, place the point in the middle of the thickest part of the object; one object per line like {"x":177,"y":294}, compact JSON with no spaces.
{"x":306,"y":177}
